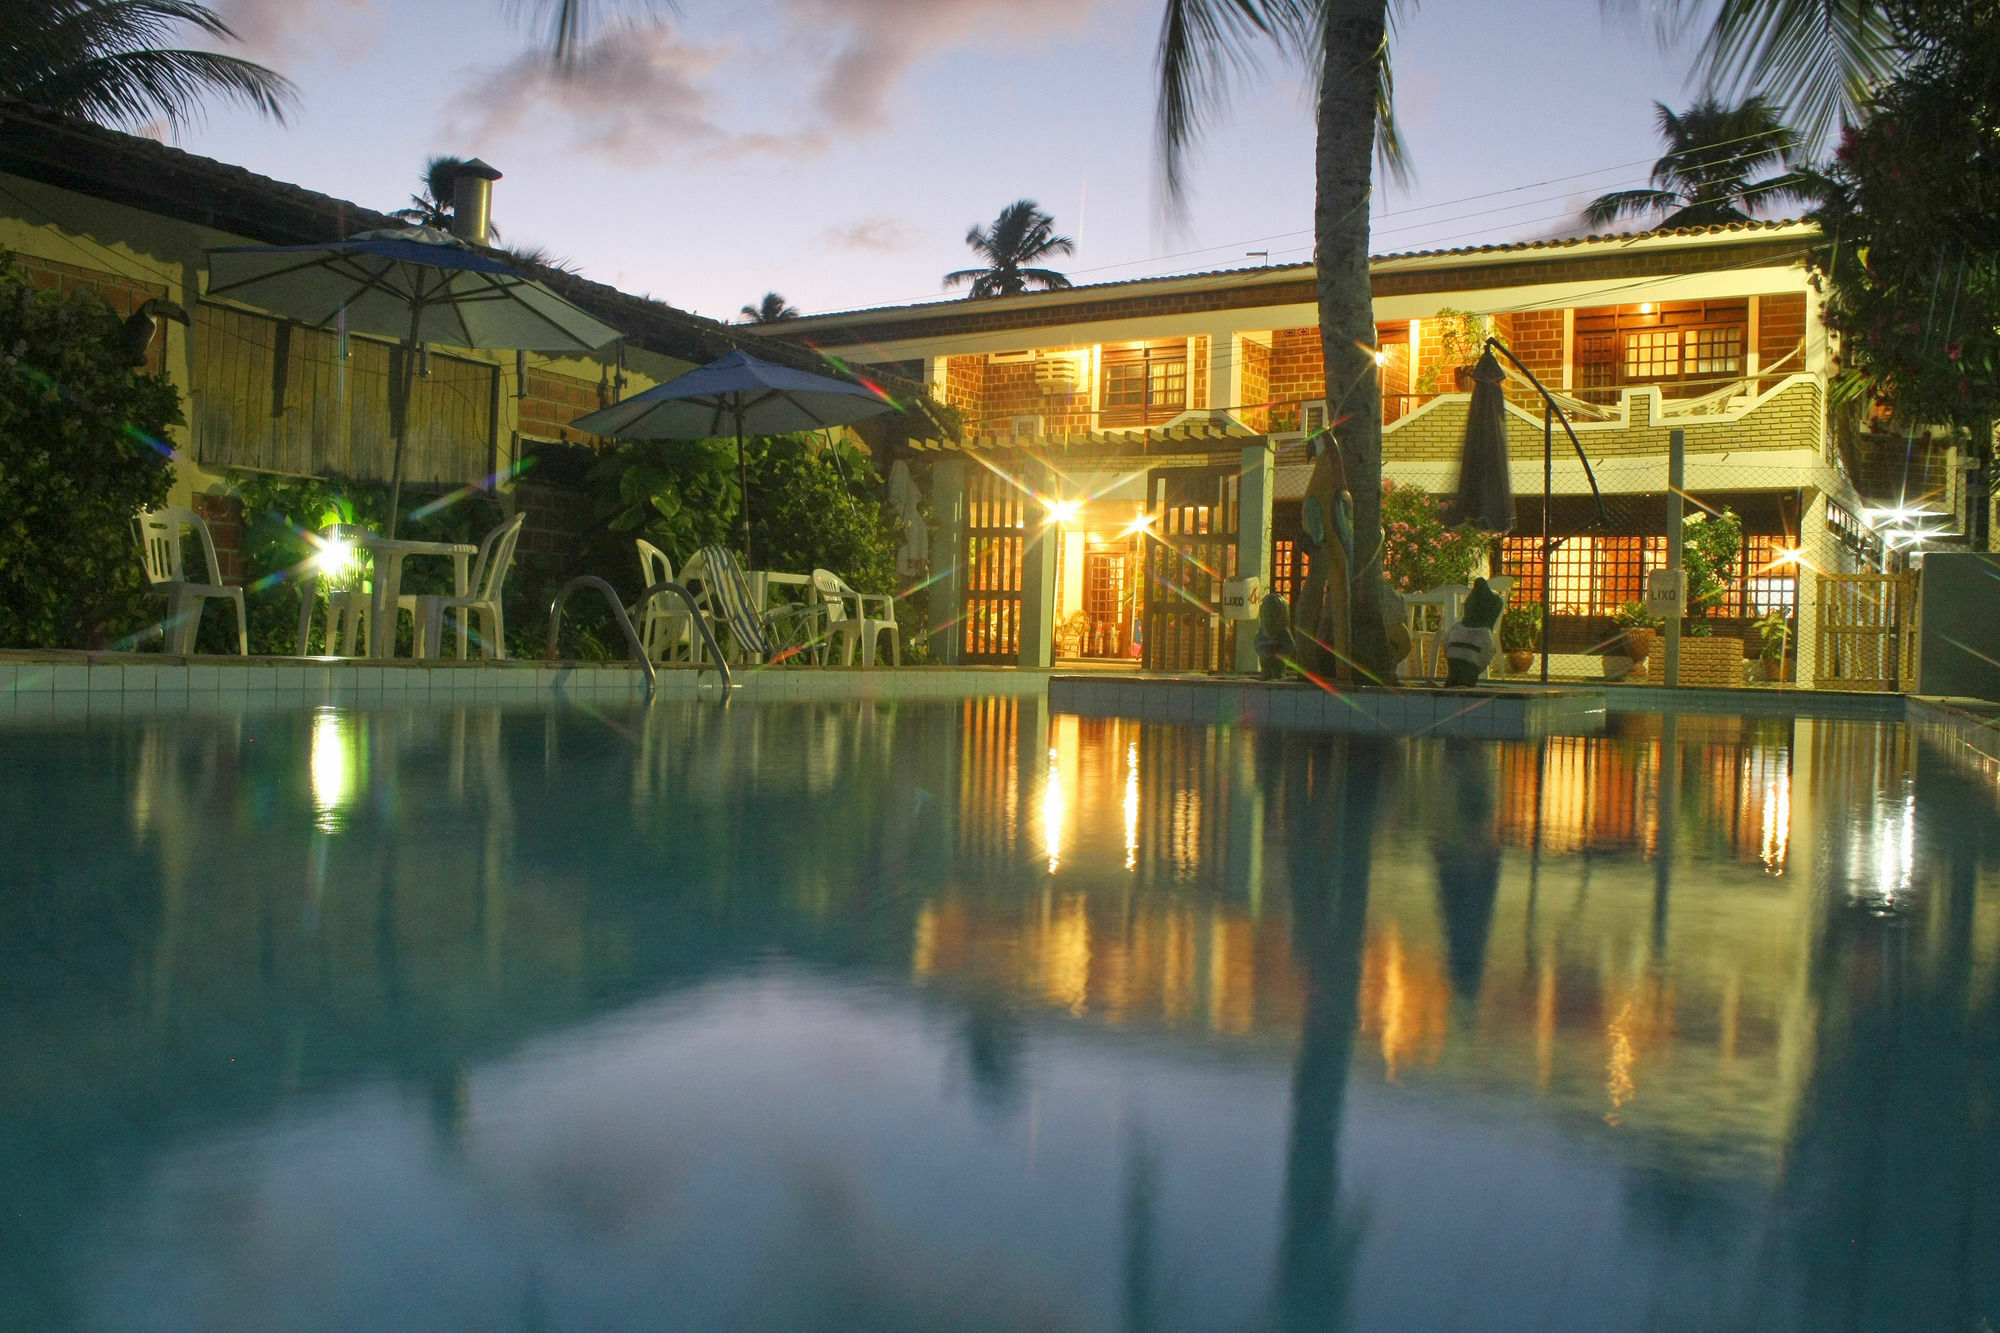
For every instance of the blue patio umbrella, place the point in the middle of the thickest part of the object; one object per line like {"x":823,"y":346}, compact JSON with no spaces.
{"x":739,"y":393}
{"x":416,"y":284}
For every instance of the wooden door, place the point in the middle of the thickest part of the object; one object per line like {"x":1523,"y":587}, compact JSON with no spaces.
{"x":1866,"y":632}
{"x":996,"y":516}
{"x":1191,"y":550}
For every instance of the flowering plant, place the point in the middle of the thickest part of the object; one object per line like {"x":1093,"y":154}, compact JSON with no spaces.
{"x":1419,"y":550}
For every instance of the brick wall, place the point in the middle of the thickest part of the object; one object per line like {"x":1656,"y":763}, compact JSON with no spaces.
{"x":122,"y":294}
{"x":1298,"y":373}
{"x":965,"y":383}
{"x":1536,"y":336}
{"x":1198,"y":352}
{"x":1789,"y":421}
{"x":1781,"y":329}
{"x":553,"y":401}
{"x":1254,"y":411}
{"x":1011,"y":391}
{"x":556,"y":517}
{"x":224,"y":516}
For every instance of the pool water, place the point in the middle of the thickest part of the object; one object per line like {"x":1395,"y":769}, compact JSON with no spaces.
{"x":957,"y":1015}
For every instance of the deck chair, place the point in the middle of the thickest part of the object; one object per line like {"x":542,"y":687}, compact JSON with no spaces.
{"x":759,"y":634}
{"x":665,"y":627}
{"x":159,"y":533}
{"x":848,"y":624}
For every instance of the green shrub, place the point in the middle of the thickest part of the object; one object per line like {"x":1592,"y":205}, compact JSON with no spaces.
{"x":81,"y":451}
{"x":1521,"y":628}
{"x":1711,"y":552}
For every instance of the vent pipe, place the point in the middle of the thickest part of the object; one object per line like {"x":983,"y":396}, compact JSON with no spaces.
{"x":472,"y":202}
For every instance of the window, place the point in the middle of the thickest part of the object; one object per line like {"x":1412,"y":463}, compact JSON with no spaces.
{"x":1687,"y":342}
{"x":1289,"y":567}
{"x":1594,"y":576}
{"x":1144,"y":385}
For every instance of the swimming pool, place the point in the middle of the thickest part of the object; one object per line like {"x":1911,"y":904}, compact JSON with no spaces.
{"x":957,"y":1014}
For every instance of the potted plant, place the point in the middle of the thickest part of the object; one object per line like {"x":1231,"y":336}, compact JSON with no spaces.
{"x":1460,"y":339}
{"x":1641,"y":631}
{"x":1520,"y":632}
{"x":1774,"y":634}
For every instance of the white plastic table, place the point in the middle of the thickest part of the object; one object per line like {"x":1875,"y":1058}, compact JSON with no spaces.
{"x":389,"y":553}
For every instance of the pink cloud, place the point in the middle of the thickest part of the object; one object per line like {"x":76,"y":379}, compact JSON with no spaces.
{"x":636,"y":95}
{"x":288,"y":32}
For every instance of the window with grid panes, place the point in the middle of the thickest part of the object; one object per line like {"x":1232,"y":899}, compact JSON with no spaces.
{"x":1713,"y":351}
{"x":1654,"y":354}
{"x":1769,"y":582}
{"x":1289,"y":567}
{"x":1144,"y":384}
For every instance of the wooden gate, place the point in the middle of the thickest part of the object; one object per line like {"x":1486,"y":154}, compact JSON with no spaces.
{"x":996,"y":516}
{"x":1193,"y":549}
{"x":1866,"y":634}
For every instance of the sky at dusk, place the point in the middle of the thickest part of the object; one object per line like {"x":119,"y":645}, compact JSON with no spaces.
{"x":837,"y":150}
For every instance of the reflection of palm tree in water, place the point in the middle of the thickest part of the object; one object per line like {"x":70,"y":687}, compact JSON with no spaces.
{"x":1468,"y":867}
{"x":1330,"y":793}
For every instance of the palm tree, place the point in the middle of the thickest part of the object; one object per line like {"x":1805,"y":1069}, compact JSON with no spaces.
{"x":1704,"y":178}
{"x":770,"y":310}
{"x":1020,"y":236}
{"x":103,"y":60}
{"x":569,"y":25}
{"x":1817,"y":56}
{"x":432,"y":207}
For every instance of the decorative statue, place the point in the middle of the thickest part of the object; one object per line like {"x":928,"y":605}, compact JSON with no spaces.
{"x":1328,"y":518}
{"x":1395,"y":622}
{"x":1468,"y":645}
{"x":1274,"y":636}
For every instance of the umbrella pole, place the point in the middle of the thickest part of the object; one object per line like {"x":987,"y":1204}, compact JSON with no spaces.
{"x":405,"y":392}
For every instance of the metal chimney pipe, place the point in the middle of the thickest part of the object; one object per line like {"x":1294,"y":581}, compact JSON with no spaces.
{"x":472,"y":202}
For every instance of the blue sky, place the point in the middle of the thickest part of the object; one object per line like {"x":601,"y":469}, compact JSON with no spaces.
{"x":837,"y":150}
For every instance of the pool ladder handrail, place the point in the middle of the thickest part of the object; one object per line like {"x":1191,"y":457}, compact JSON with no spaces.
{"x":632,"y":635}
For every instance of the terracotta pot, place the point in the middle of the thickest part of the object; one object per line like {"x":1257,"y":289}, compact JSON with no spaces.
{"x":1462,"y":376}
{"x":1639,"y":641}
{"x":1770,"y":668}
{"x":1520,"y":659}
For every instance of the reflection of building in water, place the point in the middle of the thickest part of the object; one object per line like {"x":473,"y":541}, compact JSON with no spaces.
{"x":1657,"y":983}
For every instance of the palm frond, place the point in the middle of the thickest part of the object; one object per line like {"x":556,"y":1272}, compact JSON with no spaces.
{"x":1203,"y":45}
{"x":1609,"y":208}
{"x":1816,"y":58}
{"x":104,"y":59}
{"x":132,"y":87}
{"x":568,"y":26}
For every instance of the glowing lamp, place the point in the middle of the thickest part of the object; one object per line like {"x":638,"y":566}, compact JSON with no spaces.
{"x":335,"y":558}
{"x":1064,"y":511}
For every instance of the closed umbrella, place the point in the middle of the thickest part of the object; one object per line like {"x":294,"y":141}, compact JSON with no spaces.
{"x":1485,"y":488}
{"x":742,"y":394}
{"x":416,"y":284}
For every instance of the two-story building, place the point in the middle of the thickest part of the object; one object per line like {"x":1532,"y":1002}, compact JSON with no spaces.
{"x":1128,"y":445}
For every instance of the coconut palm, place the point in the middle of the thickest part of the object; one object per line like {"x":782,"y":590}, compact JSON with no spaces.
{"x":104,"y":60}
{"x":770,"y":310}
{"x":1020,"y":236}
{"x":570,"y":25}
{"x":1706,"y":176}
{"x":1816,"y":56}
{"x":432,"y":207}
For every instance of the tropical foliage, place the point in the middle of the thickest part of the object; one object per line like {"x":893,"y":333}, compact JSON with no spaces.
{"x":1019,"y":239}
{"x":80,"y":452}
{"x":110,"y":61}
{"x":771,"y":310}
{"x":1815,"y":56}
{"x":1521,"y":628}
{"x":1713,"y":169}
{"x":1460,"y":337}
{"x":1910,"y":273}
{"x":1420,"y":551}
{"x":1711,"y":555}
{"x":432,"y":205}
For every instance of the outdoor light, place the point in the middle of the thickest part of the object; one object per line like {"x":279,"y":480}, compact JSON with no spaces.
{"x":1789,"y":555}
{"x":1381,"y":357}
{"x":335,"y":558}
{"x":1137,"y":525}
{"x":1064,"y":511}
{"x":1645,"y":307}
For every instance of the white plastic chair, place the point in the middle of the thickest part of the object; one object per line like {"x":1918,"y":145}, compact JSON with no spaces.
{"x":347,"y":609}
{"x":159,"y":533}
{"x":665,"y":627}
{"x":849,"y":628}
{"x":489,"y":576}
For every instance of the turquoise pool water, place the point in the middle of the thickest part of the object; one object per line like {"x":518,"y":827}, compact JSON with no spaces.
{"x":963,"y":1016}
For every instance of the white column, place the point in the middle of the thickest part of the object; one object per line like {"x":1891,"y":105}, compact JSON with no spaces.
{"x":1253,"y":538}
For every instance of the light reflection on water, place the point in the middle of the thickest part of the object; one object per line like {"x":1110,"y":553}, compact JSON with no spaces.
{"x":961,"y":1015}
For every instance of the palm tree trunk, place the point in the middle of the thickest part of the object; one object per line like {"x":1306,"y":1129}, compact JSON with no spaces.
{"x":1343,"y":159}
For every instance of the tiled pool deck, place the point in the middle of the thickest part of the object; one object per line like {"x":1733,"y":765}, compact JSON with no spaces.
{"x":43,"y":684}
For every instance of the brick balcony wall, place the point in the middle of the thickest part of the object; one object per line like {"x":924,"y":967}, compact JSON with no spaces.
{"x":1253,"y":410}
{"x":1781,"y":328}
{"x":1011,"y":391}
{"x":1298,"y":374}
{"x":965,"y":384}
{"x":1791,"y":420}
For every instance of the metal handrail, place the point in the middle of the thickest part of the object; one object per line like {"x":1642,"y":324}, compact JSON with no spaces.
{"x":625,"y":624}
